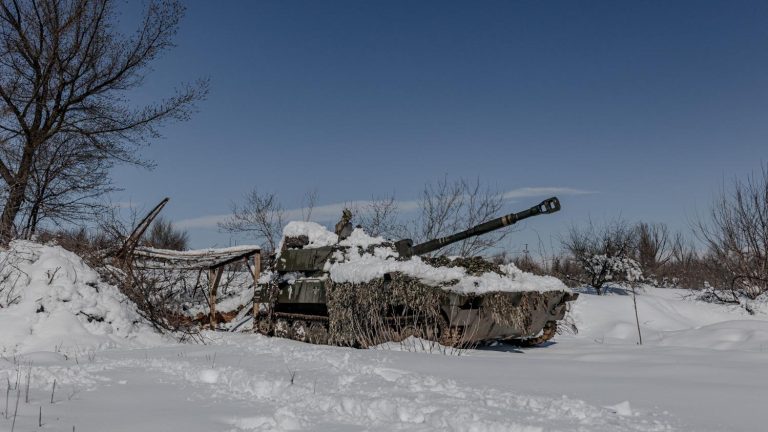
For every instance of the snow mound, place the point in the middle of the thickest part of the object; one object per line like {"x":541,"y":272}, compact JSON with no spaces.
{"x":317,"y":234}
{"x":362,"y":239}
{"x":728,"y":335}
{"x":52,"y":301}
{"x":668,"y":317}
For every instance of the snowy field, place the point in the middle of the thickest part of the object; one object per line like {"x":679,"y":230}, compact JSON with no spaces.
{"x":702,"y":368}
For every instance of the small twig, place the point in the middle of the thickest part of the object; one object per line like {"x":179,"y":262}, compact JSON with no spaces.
{"x":637,"y":318}
{"x":29,"y":378}
{"x":53,"y":390}
{"x":40,"y":417}
{"x":7,"y":394}
{"x":293,"y":375}
{"x":74,"y":392}
{"x":52,"y":275}
{"x":16,"y":411}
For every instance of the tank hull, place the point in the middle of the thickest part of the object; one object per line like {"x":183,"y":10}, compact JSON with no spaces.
{"x":378,"y":312}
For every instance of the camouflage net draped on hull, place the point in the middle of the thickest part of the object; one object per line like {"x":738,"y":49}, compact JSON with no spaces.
{"x":365,"y":313}
{"x":475,"y":266}
{"x":392,"y":309}
{"x":515,"y":309}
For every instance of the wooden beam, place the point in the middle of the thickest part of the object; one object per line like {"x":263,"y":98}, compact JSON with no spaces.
{"x":256,"y":294}
{"x":189,"y":259}
{"x":133,"y":239}
{"x":214,"y":277}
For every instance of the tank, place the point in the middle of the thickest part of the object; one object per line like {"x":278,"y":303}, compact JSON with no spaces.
{"x":350,"y":289}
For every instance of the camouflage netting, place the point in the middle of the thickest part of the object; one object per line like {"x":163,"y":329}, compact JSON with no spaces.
{"x":515,"y":309}
{"x":474,"y":266}
{"x":372,"y":313}
{"x":362,"y":313}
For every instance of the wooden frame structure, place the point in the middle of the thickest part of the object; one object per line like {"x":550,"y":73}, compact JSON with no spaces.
{"x":212,"y":260}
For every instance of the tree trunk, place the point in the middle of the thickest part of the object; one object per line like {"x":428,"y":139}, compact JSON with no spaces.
{"x":16,"y":193}
{"x":31,"y":227}
{"x":11,"y":209}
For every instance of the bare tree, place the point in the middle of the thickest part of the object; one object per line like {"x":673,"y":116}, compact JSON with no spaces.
{"x":654,"y":247}
{"x":308,"y":204}
{"x":163,"y":235}
{"x":737,"y":233}
{"x":447,"y":207}
{"x":688,"y":267}
{"x":261,"y":215}
{"x":380,"y":217}
{"x":65,"y":71}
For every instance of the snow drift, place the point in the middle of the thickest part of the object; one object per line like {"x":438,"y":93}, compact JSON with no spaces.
{"x":53,"y":301}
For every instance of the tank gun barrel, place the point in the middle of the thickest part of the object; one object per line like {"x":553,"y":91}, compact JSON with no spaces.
{"x":406,"y":248}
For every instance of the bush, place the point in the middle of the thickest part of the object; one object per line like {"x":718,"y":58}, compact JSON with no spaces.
{"x":163,"y":235}
{"x":736,"y":234}
{"x":604,"y":253}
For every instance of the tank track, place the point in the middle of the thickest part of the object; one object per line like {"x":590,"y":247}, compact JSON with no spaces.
{"x":300,"y":327}
{"x":315,"y":329}
{"x":548,"y":332}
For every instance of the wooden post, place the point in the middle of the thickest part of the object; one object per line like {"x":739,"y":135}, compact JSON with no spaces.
{"x":214,"y":277}
{"x":256,"y":297}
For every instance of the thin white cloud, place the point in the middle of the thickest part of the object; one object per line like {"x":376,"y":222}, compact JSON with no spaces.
{"x":528,"y":192}
{"x":331,"y":212}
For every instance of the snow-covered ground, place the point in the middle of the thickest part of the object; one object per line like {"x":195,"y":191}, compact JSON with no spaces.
{"x":702,"y":367}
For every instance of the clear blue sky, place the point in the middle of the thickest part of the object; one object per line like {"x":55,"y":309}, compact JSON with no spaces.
{"x":650,"y":105}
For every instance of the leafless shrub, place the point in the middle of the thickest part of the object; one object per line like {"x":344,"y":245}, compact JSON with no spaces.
{"x":564,"y":268}
{"x":260,"y":215}
{"x":308,"y":204}
{"x":654,"y":247}
{"x":90,"y":245}
{"x":163,"y":235}
{"x":10,"y":274}
{"x":736,"y":233}
{"x":380,"y":217}
{"x":159,"y":296}
{"x":687,"y":267}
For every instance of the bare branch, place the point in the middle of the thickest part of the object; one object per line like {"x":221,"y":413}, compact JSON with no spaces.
{"x":260,"y":215}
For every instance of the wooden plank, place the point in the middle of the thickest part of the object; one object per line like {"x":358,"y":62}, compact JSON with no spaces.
{"x":214,"y":277}
{"x":189,"y":259}
{"x":256,"y":291}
